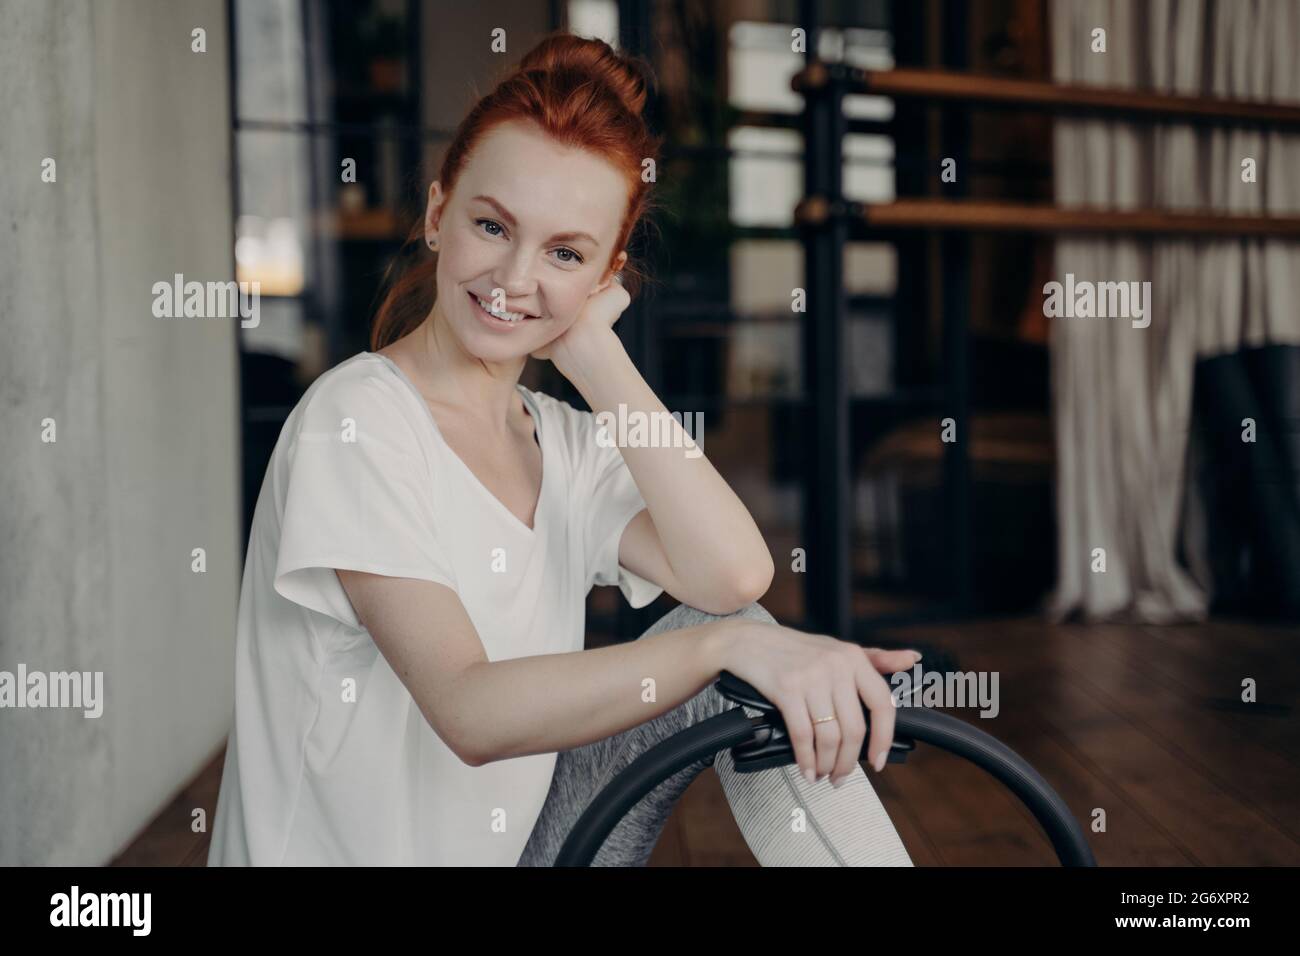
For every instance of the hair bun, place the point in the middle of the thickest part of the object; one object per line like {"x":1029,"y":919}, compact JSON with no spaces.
{"x":565,"y":52}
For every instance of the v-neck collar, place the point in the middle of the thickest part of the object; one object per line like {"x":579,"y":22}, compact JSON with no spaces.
{"x":534,"y":412}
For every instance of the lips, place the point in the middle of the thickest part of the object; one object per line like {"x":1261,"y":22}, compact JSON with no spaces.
{"x":474,"y":301}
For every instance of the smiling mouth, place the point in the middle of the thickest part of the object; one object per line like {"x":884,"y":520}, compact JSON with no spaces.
{"x":509,"y":318}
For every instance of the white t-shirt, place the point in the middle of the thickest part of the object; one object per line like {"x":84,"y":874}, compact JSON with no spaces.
{"x":330,"y":761}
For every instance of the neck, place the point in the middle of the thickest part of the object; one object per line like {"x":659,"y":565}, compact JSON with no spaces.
{"x":479,"y":390}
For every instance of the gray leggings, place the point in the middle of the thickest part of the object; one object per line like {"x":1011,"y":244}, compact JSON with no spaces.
{"x":785,"y":820}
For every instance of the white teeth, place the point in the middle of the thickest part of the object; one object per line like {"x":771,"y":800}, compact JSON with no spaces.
{"x":507,"y":316}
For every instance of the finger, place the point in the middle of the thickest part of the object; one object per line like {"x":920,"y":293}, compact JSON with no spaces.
{"x":875,"y":694}
{"x":827,"y":733}
{"x":621,"y":301}
{"x":799,"y":729}
{"x":608,"y":305}
{"x":889,"y":662}
{"x":853,"y":728}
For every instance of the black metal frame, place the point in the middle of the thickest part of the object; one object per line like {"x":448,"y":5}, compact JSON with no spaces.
{"x":824,"y":86}
{"x":828,"y":513}
{"x":827,"y":527}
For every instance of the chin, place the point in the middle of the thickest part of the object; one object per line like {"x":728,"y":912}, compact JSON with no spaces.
{"x":487,"y":346}
{"x":497,"y":352}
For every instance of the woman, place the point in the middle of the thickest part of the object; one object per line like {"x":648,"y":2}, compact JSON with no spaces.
{"x":411,"y":684}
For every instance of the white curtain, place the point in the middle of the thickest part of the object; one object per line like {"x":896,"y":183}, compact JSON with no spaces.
{"x":1122,"y":395}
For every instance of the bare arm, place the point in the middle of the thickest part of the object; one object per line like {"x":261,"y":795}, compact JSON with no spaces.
{"x":493,"y":710}
{"x":696,"y":539}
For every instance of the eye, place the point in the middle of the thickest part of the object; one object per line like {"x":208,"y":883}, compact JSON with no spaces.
{"x":490,"y":222}
{"x":576,"y":259}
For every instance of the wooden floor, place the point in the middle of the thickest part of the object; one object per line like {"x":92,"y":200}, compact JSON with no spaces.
{"x":1145,"y":723}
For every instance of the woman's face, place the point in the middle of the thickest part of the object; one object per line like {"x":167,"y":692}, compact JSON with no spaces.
{"x":530,"y":227}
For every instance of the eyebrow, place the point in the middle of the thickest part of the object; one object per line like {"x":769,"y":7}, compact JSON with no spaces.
{"x":559,"y":236}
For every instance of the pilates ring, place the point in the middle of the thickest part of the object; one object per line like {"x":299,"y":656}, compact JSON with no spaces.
{"x":761,"y":742}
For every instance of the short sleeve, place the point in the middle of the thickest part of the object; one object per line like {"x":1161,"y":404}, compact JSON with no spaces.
{"x":610,"y":502}
{"x":358,"y":498}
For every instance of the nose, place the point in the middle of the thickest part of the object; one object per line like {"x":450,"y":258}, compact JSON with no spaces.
{"x":513,"y":275}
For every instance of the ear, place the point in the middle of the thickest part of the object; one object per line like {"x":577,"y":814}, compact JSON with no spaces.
{"x":609,"y":279}
{"x":433,"y":212}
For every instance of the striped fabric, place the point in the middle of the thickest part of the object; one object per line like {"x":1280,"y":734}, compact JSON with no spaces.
{"x":785,"y":820}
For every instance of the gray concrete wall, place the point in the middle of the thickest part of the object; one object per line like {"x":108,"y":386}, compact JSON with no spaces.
{"x":97,"y":528}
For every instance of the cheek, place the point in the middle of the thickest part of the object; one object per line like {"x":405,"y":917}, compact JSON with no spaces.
{"x":566,"y":302}
{"x":456,"y":263}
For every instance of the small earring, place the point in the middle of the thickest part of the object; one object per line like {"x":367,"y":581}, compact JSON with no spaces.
{"x":433,"y":243}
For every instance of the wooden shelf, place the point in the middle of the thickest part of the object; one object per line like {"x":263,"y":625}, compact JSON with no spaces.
{"x":1033,"y":94}
{"x":378,"y":224}
{"x":981,"y":216}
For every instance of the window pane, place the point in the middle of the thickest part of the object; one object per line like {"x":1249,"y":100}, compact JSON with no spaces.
{"x":760,"y":65}
{"x":763,"y":360}
{"x":868,"y":352}
{"x":870,"y":268}
{"x":279,"y":331}
{"x":764,"y":273}
{"x":271,"y":230}
{"x":595,"y":18}
{"x":868,"y":168}
{"x":767,"y":177}
{"x":270,"y":67}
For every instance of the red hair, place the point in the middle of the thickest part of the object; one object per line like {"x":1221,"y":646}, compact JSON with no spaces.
{"x":581,"y":93}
